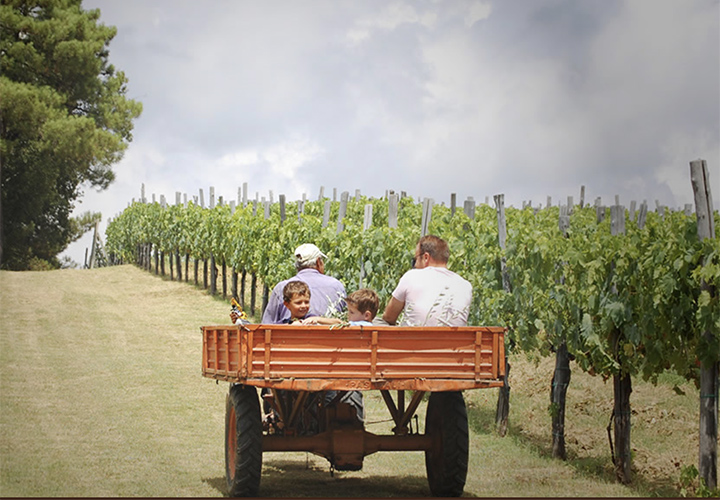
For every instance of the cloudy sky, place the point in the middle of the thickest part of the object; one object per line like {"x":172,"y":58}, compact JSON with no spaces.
{"x":530,"y":98}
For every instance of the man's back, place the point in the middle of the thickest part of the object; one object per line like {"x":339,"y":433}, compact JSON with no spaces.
{"x":434,"y":296}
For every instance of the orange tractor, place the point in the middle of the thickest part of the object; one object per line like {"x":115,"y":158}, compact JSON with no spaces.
{"x":306,"y":373}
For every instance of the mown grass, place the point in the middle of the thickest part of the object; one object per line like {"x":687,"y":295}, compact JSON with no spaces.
{"x":101,"y":395}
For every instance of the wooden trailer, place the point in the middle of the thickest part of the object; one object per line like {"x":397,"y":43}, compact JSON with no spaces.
{"x":309,"y":374}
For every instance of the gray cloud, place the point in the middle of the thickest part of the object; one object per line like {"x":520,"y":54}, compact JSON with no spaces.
{"x":527,"y":98}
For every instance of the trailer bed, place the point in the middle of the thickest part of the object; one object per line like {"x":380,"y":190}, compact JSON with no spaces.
{"x":319,"y":358}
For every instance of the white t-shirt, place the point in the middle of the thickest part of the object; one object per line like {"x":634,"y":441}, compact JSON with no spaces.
{"x":434,"y":296}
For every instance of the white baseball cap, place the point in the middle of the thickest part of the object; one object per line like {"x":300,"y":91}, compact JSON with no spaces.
{"x":307,"y":253}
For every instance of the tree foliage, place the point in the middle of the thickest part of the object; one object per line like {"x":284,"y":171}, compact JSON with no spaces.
{"x":65,"y":121}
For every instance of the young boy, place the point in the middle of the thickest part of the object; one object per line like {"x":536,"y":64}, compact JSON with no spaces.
{"x":362,"y":306}
{"x":296,"y":297}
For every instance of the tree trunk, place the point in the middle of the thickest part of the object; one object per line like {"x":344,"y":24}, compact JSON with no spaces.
{"x":195,"y":271}
{"x":178,"y":266}
{"x":234,"y":283}
{"x":621,"y":415}
{"x":558,"y":393}
{"x":213,"y":275}
{"x":224,"y":279}
{"x":708,"y":422}
{"x":187,"y":264}
{"x":242,"y":288}
{"x":265,"y":296}
{"x":157,"y":262}
{"x":253,"y":286}
{"x":162,"y":263}
{"x":503,"y":403}
{"x":205,"y":274}
{"x":171,"y":257}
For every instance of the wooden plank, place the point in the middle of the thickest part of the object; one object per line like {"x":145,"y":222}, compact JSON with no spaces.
{"x":496,"y":348}
{"x":250,"y":345}
{"x":217,"y":350}
{"x":373,"y":355}
{"x":242,"y":342}
{"x":397,"y":359}
{"x":478,"y":353}
{"x":268,"y":344}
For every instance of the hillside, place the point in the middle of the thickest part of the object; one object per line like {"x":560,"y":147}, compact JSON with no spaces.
{"x":102,"y":395}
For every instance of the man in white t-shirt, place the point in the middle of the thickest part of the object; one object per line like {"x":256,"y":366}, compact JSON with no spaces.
{"x":430,"y":294}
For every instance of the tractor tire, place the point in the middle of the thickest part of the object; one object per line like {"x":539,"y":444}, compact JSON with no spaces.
{"x":243,"y":441}
{"x":446,"y":462}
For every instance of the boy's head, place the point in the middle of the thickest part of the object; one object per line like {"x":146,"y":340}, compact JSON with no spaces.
{"x":362,"y":305}
{"x":296,"y":297}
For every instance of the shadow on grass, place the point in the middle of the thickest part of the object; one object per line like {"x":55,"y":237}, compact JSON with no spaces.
{"x":297,"y":478}
{"x":219,"y":483}
{"x":482,"y":421}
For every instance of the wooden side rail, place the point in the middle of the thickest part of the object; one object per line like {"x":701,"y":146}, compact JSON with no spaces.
{"x":315,"y":358}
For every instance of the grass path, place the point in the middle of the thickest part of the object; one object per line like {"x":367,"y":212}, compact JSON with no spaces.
{"x":101,"y":394}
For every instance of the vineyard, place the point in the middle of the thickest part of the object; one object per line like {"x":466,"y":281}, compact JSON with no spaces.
{"x":624,"y":293}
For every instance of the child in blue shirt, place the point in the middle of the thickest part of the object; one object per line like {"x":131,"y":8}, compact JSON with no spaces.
{"x":296,"y":297}
{"x":362,"y":306}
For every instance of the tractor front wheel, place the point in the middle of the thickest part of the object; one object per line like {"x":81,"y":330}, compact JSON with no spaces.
{"x":243,"y":441}
{"x":447,"y":461}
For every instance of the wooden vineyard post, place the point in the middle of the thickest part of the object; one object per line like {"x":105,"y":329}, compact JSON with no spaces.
{"x":342,"y":211}
{"x":562,"y":374}
{"x":642,"y":215}
{"x":707,"y":460}
{"x":622,"y":383}
{"x":503,"y":403}
{"x":326,"y":213}
{"x":393,"y":203}
{"x":426,"y":215}
{"x":282,"y":208}
{"x":469,"y":209}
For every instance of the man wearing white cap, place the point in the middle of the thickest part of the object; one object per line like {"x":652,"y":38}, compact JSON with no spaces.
{"x":326,"y":293}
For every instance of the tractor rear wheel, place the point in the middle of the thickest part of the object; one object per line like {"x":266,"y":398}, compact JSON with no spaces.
{"x":243,"y":441}
{"x":446,"y":462}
